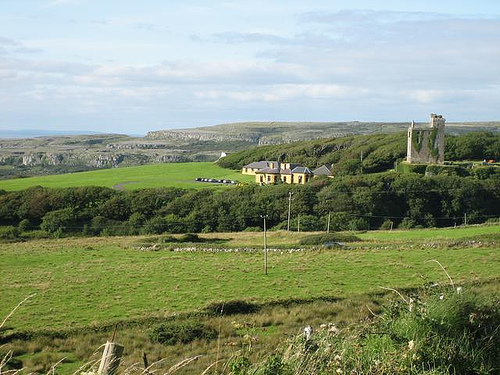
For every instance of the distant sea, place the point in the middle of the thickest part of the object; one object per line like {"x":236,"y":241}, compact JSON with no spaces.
{"x":30,"y":133}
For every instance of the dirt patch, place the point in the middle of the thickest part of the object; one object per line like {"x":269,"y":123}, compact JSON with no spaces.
{"x":122,"y":184}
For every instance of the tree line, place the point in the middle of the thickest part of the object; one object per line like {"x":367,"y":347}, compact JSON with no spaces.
{"x":355,"y":154}
{"x":348,"y":203}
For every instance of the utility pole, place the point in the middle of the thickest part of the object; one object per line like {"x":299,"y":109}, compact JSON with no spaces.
{"x":298,"y":223}
{"x":328,"y":223}
{"x":289,"y":210}
{"x":361,"y":162}
{"x":465,"y":218}
{"x":265,"y":243}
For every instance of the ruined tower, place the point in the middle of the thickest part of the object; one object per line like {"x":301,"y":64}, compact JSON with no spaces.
{"x":426,"y":145}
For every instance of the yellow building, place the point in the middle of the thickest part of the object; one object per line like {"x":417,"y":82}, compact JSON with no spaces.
{"x":252,"y":168}
{"x":272,"y":172}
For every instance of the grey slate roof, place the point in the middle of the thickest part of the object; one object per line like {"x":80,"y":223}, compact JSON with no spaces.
{"x":301,"y":170}
{"x":269,"y":170}
{"x":322,"y":171}
{"x":256,"y":164}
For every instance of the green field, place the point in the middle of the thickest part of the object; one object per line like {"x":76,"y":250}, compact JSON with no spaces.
{"x":84,"y":286}
{"x":82,"y":282}
{"x":180,"y":175}
{"x":431,"y":233}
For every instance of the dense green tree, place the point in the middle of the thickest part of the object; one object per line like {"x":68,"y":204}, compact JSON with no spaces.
{"x":63,"y":220}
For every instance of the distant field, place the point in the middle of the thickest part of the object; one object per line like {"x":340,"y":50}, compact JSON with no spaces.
{"x":147,"y":176}
{"x":432,"y":233}
{"x":92,"y":281}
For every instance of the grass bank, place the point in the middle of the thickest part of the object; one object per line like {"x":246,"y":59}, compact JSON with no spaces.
{"x":180,"y":175}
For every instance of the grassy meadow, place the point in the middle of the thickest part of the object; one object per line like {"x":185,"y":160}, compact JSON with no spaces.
{"x":180,"y":175}
{"x":94,"y":281}
{"x":84,"y":286}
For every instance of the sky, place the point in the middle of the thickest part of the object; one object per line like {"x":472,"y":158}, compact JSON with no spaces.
{"x":134,"y":66}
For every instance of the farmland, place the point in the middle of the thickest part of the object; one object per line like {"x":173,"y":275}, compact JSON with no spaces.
{"x":84,"y":286}
{"x":108,"y":279}
{"x":180,"y":175}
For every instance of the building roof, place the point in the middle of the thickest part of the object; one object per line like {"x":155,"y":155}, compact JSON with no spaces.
{"x":322,"y":171}
{"x":269,"y":170}
{"x":301,"y":170}
{"x":286,"y":171}
{"x":256,"y":164}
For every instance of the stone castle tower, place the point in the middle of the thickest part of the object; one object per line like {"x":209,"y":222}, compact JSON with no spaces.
{"x":426,"y":145}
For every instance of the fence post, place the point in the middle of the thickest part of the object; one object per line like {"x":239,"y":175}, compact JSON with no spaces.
{"x":111,"y":358}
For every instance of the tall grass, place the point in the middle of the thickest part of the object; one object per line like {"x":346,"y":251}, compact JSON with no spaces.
{"x":444,"y":332}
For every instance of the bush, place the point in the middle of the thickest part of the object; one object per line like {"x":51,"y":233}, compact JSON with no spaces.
{"x":407,"y":223}
{"x":436,"y":331}
{"x":326,"y":238}
{"x":155,"y":225}
{"x":58,"y":220}
{"x":190,"y":237}
{"x":231,"y":308}
{"x":239,"y":366}
{"x":252,"y":229}
{"x":9,"y":233}
{"x":359,"y":224}
{"x":24,"y":225}
{"x":387,"y":225}
{"x":448,"y":170}
{"x":181,"y":332}
{"x":405,"y":168}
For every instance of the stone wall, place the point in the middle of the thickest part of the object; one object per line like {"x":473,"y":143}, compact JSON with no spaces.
{"x":426,"y":145}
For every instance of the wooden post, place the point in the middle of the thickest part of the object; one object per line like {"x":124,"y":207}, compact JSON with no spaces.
{"x":265,"y":245}
{"x":111,"y":358}
{"x":289,"y":209}
{"x":328,"y":223}
{"x":146,"y":363}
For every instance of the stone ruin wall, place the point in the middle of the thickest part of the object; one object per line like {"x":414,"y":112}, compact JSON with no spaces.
{"x":426,"y":145}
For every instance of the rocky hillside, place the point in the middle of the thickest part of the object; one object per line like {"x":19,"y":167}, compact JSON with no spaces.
{"x":269,"y":133}
{"x":60,"y":154}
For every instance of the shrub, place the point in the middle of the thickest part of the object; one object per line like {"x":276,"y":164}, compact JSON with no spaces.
{"x":190,"y":237}
{"x":387,"y":224}
{"x":407,"y":223}
{"x":437,"y":331}
{"x":155,"y":225}
{"x":252,"y":229}
{"x":326,"y":238}
{"x":9,"y":233}
{"x":24,"y":225}
{"x":231,"y":308}
{"x":239,"y":366}
{"x":181,"y":332}
{"x":58,"y":220}
{"x":359,"y":224}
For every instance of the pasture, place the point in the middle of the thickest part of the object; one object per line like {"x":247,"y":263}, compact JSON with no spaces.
{"x":180,"y":175}
{"x":85,"y":286}
{"x":97,"y":281}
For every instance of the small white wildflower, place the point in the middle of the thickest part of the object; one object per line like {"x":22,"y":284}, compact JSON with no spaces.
{"x":339,"y":371}
{"x":411,"y":344}
{"x":333,"y":329}
{"x":459,"y":290}
{"x":441,"y":297}
{"x":338,"y":358}
{"x":308,"y":331}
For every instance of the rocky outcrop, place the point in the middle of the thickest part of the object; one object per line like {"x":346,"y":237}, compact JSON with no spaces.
{"x":186,"y":135}
{"x":106,"y":161}
{"x":137,"y":146}
{"x":40,"y":158}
